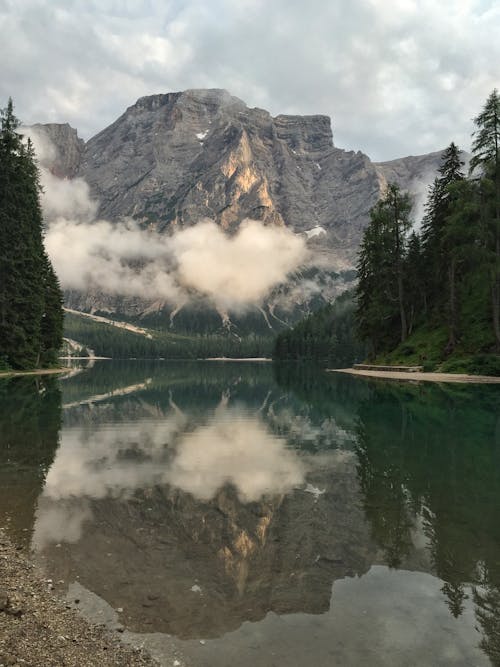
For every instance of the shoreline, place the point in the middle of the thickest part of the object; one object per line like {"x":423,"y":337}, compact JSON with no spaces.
{"x":420,"y":376}
{"x":37,"y":371}
{"x":38,"y":628}
{"x":236,"y":359}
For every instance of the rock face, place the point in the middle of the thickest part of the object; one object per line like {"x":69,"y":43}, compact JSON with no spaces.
{"x":410,"y":171}
{"x":64,"y":149}
{"x":173,"y":159}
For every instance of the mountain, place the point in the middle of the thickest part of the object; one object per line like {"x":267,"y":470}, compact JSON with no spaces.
{"x":173,"y":159}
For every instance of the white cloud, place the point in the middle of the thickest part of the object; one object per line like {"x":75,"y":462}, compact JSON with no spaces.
{"x":233,"y":272}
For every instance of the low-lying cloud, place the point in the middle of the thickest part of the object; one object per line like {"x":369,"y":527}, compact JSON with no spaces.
{"x":232,"y":271}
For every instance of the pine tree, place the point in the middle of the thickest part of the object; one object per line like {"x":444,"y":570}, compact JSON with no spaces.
{"x":53,"y":315}
{"x":26,"y":276}
{"x":437,"y":211}
{"x":486,"y":157}
{"x":441,"y":238}
{"x":381,"y":283}
{"x":414,"y":275}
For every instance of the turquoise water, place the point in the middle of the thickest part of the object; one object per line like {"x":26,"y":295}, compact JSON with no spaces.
{"x":240,"y":513}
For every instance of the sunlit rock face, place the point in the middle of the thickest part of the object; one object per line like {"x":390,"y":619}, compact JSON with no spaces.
{"x":173,"y":160}
{"x":176,"y":158}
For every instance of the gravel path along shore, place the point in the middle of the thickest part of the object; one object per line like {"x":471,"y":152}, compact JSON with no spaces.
{"x":38,"y":630}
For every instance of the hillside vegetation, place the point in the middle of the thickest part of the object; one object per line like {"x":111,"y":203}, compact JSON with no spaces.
{"x":107,"y":340}
{"x":433,"y":297}
{"x":327,"y":336}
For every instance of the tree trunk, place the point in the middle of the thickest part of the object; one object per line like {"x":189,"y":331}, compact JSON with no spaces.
{"x":399,"y":269}
{"x":452,"y":324}
{"x":495,"y":292}
{"x":495,"y":288}
{"x":402,"y":312}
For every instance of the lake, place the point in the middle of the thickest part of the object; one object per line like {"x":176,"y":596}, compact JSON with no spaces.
{"x":248,"y":514}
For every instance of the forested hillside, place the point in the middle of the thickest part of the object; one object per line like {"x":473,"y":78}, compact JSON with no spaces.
{"x":108,"y":341}
{"x":31,"y":316}
{"x":432,"y":296}
{"x":327,"y":336}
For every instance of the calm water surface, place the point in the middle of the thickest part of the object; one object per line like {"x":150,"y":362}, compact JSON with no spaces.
{"x":240,"y":514}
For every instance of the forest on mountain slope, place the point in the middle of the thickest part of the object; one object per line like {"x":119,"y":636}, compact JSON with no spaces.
{"x":327,"y":336}
{"x":107,"y":340}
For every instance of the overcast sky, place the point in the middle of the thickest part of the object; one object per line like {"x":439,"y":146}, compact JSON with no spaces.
{"x":398,"y":77}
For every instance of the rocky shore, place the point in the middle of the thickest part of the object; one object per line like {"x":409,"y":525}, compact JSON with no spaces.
{"x":37,"y":629}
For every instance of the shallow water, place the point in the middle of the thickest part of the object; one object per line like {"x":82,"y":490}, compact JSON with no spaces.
{"x":257,"y":515}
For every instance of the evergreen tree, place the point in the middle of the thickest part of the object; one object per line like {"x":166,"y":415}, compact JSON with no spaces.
{"x":29,"y":292}
{"x":414,"y":274}
{"x":437,"y":211}
{"x":485,"y":156}
{"x":381,"y":266}
{"x":441,"y":234}
{"x":52,"y":324}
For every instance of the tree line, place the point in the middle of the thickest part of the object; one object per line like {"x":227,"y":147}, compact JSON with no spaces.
{"x":107,"y":340}
{"x":327,"y":336}
{"x":31,"y":316}
{"x":442,"y":281}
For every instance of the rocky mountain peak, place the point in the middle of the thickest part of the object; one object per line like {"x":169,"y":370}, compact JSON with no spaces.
{"x":62,"y":148}
{"x":172,"y":160}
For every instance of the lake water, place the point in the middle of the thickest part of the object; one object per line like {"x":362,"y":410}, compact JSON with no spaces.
{"x":240,"y":514}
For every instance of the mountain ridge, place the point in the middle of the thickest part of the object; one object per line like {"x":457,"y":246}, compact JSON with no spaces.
{"x":173,"y":159}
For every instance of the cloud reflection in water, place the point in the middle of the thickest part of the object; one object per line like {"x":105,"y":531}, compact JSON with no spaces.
{"x":115,"y":460}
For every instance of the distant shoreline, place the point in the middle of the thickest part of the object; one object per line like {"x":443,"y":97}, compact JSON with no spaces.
{"x":37,"y":371}
{"x":420,"y":376}
{"x":236,"y":359}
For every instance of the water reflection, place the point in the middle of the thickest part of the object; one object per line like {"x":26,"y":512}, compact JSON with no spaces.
{"x":30,"y":419}
{"x":199,"y":497}
{"x":432,"y":459}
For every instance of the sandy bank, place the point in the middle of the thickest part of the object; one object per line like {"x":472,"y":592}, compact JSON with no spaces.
{"x":236,"y":359}
{"x":420,"y":377}
{"x":37,"y":628}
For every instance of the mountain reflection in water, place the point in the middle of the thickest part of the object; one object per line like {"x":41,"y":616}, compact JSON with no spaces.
{"x":198,"y":497}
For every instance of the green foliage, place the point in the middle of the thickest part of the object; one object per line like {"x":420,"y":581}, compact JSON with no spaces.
{"x":381,"y":302}
{"x":486,"y":142}
{"x":486,"y":157}
{"x":109,"y":341}
{"x":30,"y":297}
{"x":450,"y":271}
{"x":327,"y":336}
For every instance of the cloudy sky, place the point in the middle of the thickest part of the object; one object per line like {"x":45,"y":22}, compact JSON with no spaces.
{"x":397,"y":77}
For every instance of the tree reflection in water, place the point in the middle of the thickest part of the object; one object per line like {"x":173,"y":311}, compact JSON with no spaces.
{"x":428,"y":460}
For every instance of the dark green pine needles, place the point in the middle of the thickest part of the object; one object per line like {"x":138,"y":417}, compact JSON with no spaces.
{"x":31,"y":315}
{"x":433,"y":296}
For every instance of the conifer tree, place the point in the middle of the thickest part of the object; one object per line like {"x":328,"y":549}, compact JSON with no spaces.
{"x":442,"y":233}
{"x":486,"y":157}
{"x":414,"y":275}
{"x":381,"y":282}
{"x":30,"y":297}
